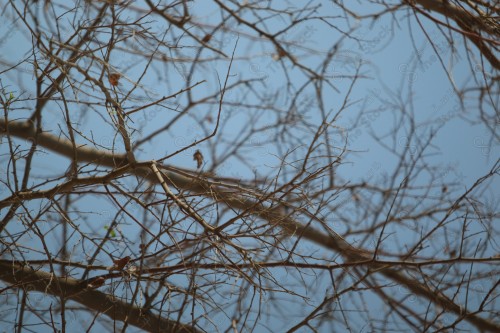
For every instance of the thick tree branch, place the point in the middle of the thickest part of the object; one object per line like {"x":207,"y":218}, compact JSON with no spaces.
{"x":275,"y":215}
{"x":471,"y":25}
{"x":71,"y":289}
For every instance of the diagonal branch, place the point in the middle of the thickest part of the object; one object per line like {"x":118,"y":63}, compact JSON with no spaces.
{"x":470,"y":24}
{"x":78,"y":291}
{"x":275,"y":215}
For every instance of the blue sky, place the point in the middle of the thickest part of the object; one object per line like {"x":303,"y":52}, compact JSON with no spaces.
{"x":390,"y":82}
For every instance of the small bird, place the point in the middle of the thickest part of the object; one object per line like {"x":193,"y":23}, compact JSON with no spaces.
{"x":198,"y":157}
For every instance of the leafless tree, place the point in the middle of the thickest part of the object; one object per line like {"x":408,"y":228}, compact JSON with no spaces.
{"x":204,"y":166}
